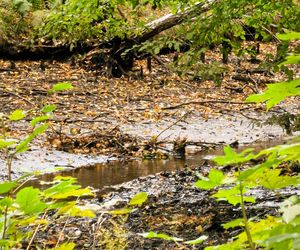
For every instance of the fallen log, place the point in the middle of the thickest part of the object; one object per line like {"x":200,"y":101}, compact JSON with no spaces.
{"x":117,"y":64}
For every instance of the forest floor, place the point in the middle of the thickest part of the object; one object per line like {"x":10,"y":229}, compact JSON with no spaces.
{"x":143,"y":115}
{"x":138,"y":115}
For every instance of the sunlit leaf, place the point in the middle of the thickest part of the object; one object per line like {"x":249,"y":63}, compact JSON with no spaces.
{"x":214,"y":179}
{"x":289,"y":36}
{"x":231,"y":157}
{"x":232,"y":196}
{"x":291,"y":59}
{"x":276,"y":93}
{"x":64,"y":186}
{"x":151,"y":235}
{"x":65,"y":246}
{"x":197,"y":241}
{"x":121,"y":211}
{"x":29,"y":201}
{"x":48,"y":108}
{"x":61,"y":87}
{"x":39,"y":119}
{"x":76,"y":211}
{"x":6,"y":143}
{"x":73,"y":193}
{"x":272,"y":179}
{"x":7,"y":186}
{"x":138,"y":199}
{"x":17,"y":115}
{"x":234,"y":223}
{"x":6,"y":202}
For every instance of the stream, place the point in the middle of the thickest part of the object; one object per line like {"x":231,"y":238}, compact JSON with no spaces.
{"x":103,"y":176}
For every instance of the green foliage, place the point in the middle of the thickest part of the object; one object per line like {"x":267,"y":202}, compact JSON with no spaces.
{"x":152,"y":235}
{"x":24,"y":209}
{"x":232,"y":195}
{"x":65,"y":246}
{"x":61,"y":86}
{"x":215,"y":178}
{"x":197,"y":241}
{"x":138,"y":199}
{"x":16,"y":115}
{"x":276,"y":93}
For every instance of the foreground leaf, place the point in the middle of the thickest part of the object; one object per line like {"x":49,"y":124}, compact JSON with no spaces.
{"x":7,"y":186}
{"x":61,"y":86}
{"x":17,"y":115}
{"x":151,"y":235}
{"x":276,"y":93}
{"x":65,"y":246}
{"x":215,"y":178}
{"x":29,"y":201}
{"x":138,"y":199}
{"x":197,"y":241}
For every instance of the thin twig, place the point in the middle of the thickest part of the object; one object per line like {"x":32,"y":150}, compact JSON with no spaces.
{"x":204,"y":102}
{"x":174,"y":123}
{"x":36,"y":230}
{"x":21,"y":97}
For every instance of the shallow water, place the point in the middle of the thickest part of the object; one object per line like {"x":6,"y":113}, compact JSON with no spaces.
{"x":103,"y":176}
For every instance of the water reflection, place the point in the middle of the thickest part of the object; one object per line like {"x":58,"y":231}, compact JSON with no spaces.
{"x":100,"y":176}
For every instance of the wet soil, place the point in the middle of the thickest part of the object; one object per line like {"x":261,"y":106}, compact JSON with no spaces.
{"x":174,"y":207}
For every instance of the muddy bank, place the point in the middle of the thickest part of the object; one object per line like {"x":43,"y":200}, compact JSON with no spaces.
{"x":201,"y":135}
{"x":222,"y":129}
{"x":174,"y":206}
{"x":43,"y":160}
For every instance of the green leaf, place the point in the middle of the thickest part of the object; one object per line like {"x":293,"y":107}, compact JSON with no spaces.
{"x":39,"y":119}
{"x":272,"y":179}
{"x":234,"y":223}
{"x":291,"y":59}
{"x":121,"y":211}
{"x":215,"y":178}
{"x":276,"y":93}
{"x":232,"y":196}
{"x":61,"y":87}
{"x":17,"y":115}
{"x":7,"y":186}
{"x":151,"y":235}
{"x":231,"y":157}
{"x":23,"y":145}
{"x":22,"y":5}
{"x":29,"y":201}
{"x":289,"y":36}
{"x":6,"y":202}
{"x":5,"y":143}
{"x":73,"y":193}
{"x":75,"y":211}
{"x":63,"y":186}
{"x":282,"y":237}
{"x":65,"y":246}
{"x":197,"y":241}
{"x":48,"y":108}
{"x":138,"y":199}
{"x":290,"y":208}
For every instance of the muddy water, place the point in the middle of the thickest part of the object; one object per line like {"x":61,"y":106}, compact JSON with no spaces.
{"x":102,"y":176}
